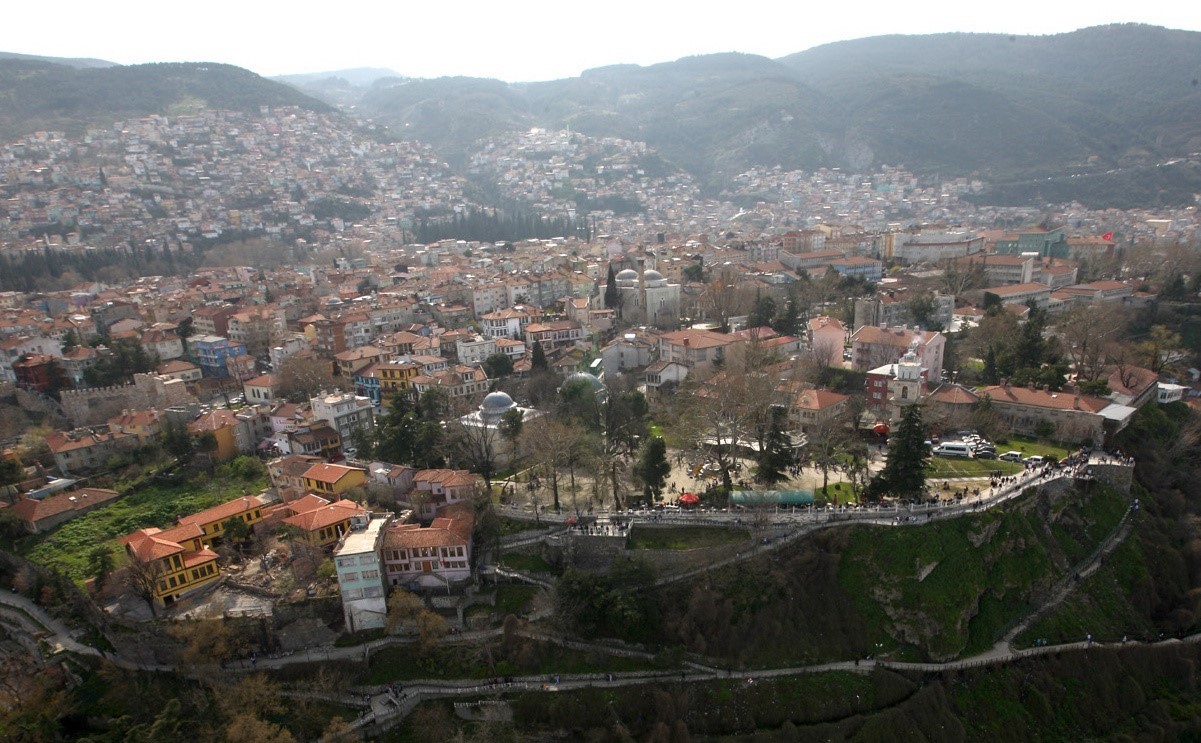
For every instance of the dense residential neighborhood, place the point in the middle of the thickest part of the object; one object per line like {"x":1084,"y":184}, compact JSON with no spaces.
{"x":250,"y":410}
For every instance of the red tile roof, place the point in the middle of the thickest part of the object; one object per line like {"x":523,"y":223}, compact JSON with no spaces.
{"x":224,"y":511}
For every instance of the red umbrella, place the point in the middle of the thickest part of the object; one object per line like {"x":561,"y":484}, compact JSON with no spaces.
{"x":881,"y":428}
{"x":689,"y":499}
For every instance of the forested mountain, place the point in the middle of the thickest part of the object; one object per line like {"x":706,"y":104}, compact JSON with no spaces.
{"x":37,"y":95}
{"x":1014,"y":110}
{"x":1101,"y":115}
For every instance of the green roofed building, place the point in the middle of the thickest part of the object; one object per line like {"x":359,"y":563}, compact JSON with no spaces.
{"x":771,"y":497}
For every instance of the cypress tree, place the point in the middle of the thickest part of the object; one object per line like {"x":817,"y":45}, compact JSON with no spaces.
{"x":538,"y":358}
{"x":904,"y":475}
{"x":611,"y":296}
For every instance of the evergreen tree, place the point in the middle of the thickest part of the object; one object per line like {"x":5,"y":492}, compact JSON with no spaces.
{"x":776,"y":452}
{"x":538,"y":358}
{"x":763,"y":312}
{"x":787,"y":323}
{"x":653,"y":468}
{"x":989,"y":375}
{"x":904,"y":474}
{"x":611,"y":295}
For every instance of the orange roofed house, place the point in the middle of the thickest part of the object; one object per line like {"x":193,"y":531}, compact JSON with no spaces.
{"x":322,"y":521}
{"x":432,"y":556}
{"x":333,"y":479}
{"x":181,"y":557}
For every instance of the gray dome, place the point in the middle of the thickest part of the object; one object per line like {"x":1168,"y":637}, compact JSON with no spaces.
{"x":592,"y":381}
{"x":496,"y":402}
{"x":651,"y":274}
{"x":626,"y":276}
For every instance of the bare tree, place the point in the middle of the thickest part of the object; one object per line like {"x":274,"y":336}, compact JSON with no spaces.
{"x":1090,"y":335}
{"x":301,"y":377}
{"x":142,"y":579}
{"x":961,"y":276}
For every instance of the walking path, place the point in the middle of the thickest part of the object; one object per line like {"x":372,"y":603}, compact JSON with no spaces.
{"x":384,"y":708}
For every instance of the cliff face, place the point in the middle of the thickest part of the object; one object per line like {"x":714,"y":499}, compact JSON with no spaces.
{"x":925,"y":592}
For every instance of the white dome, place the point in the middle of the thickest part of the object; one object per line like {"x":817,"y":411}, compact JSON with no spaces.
{"x":652,"y":275}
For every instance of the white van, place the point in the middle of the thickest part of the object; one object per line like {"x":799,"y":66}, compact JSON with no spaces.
{"x":953,"y":449}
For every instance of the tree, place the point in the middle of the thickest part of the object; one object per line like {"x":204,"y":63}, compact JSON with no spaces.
{"x":538,"y":361}
{"x":247,"y":728}
{"x":100,"y":566}
{"x":206,"y":642}
{"x":299,"y":378}
{"x":408,"y":610}
{"x":763,"y":312}
{"x":474,"y":447}
{"x":236,"y":531}
{"x":142,"y":578}
{"x":1159,"y":344}
{"x":921,"y":310}
{"x":775,"y":455}
{"x":1088,"y":335}
{"x":904,"y":474}
{"x":411,"y":432}
{"x":178,"y":441}
{"x":206,"y":444}
{"x":10,"y":471}
{"x":511,"y":423}
{"x":498,"y":365}
{"x":612,"y":297}
{"x":653,"y":468}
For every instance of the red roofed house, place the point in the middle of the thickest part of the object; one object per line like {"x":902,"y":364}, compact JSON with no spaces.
{"x":143,"y":424}
{"x":181,"y":555}
{"x":39,"y":515}
{"x":333,"y":479}
{"x":87,"y":448}
{"x":436,"y":488}
{"x":814,"y":408}
{"x":873,"y":346}
{"x":433,"y":556}
{"x":323,"y":522}
{"x":287,"y":474}
{"x":178,"y":560}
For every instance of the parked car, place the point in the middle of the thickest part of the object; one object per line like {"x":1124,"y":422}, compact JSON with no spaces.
{"x":986,"y":454}
{"x":1036,"y":460}
{"x":1011,"y":456}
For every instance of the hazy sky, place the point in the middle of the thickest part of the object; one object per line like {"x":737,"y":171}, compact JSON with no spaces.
{"x":515,"y":41}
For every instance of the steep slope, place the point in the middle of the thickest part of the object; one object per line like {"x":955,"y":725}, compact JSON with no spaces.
{"x":41,"y":95}
{"x":1112,"y":95}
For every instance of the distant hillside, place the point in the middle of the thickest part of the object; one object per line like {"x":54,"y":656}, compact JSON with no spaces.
{"x":77,"y":62}
{"x":339,"y":87}
{"x":40,"y":95}
{"x":1016,"y":110}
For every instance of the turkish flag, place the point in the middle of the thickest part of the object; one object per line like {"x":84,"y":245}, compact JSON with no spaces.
{"x":1107,"y":236}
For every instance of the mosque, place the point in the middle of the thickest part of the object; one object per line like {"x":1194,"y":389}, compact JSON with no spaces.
{"x":647,"y":298}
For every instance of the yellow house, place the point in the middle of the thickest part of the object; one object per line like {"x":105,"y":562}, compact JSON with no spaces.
{"x":181,"y":557}
{"x":248,"y":509}
{"x":322,"y":522}
{"x":222,"y":423}
{"x":397,"y":378}
{"x":176,"y":558}
{"x":144,"y":424}
{"x":333,"y":479}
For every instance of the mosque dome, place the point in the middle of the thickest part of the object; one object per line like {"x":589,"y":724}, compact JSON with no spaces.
{"x":594,"y":383}
{"x":497,"y":403}
{"x":653,"y":278}
{"x":627,"y":276}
